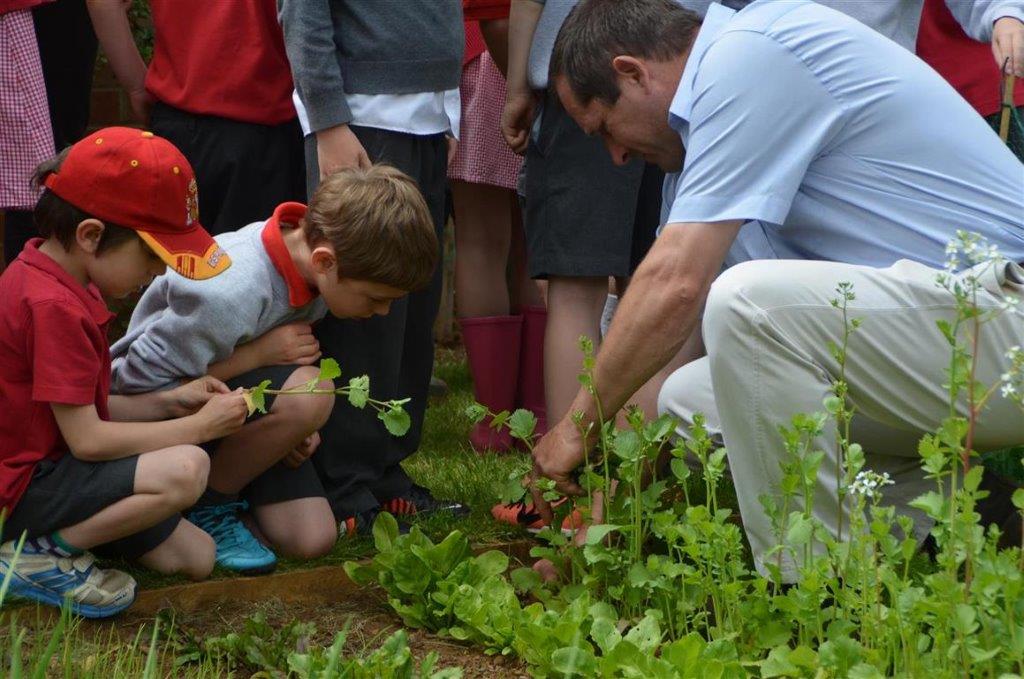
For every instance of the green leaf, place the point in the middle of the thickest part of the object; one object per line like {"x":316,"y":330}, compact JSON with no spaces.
{"x":573,"y":661}
{"x":1018,"y":498}
{"x":522,"y":424}
{"x":476,"y":413}
{"x":359,"y":391}
{"x":385,"y":532}
{"x":255,"y":398}
{"x":596,"y":534}
{"x":329,"y":370}
{"x":931,"y":503}
{"x":680,"y":469}
{"x":396,"y":420}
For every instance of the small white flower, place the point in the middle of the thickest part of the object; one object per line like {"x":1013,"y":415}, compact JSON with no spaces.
{"x":1008,"y":390}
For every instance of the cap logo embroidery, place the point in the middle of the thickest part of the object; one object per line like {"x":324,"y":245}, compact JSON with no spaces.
{"x":192,"y":203}
{"x":214,"y":259}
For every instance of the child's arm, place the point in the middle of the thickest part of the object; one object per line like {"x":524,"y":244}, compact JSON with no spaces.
{"x":110,"y":20}
{"x":165,"y":405}
{"x":291,"y":344}
{"x":93,"y":439}
{"x":517,"y":118}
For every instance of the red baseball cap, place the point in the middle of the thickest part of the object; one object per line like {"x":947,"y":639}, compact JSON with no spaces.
{"x":142,"y":182}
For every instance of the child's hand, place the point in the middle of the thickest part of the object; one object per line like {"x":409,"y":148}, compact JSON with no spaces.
{"x":222,"y":415}
{"x":191,"y":396}
{"x":303,"y":451}
{"x":338,"y":148}
{"x":292,"y":344}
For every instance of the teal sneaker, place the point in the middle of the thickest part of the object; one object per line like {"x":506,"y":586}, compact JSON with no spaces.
{"x":90,"y":592}
{"x":237,"y":548}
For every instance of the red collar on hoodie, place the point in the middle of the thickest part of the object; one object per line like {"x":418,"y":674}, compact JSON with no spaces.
{"x":299,"y":292}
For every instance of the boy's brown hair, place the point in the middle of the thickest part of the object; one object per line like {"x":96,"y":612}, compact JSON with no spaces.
{"x":378,"y":225}
{"x":55,"y":217}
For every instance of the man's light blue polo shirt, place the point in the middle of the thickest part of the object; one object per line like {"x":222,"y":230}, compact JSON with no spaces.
{"x":836,"y":143}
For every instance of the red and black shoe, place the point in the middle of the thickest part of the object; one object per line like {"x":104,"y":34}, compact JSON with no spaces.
{"x":418,"y":501}
{"x":526,"y":516}
{"x":362,"y":524}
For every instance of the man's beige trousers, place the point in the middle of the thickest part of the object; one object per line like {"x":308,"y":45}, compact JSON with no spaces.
{"x":767,"y":325}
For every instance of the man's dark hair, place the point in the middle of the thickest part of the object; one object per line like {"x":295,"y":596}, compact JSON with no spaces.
{"x":55,"y":217}
{"x":597,"y":31}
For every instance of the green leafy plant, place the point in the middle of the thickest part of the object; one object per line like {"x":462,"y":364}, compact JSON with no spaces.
{"x":357,"y":391}
{"x":663,"y":585}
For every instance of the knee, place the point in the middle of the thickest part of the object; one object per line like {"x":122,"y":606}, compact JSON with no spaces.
{"x":668,"y":396}
{"x":312,"y":542}
{"x":186,"y":478}
{"x":198,"y":562}
{"x":306,"y":412}
{"x":731,"y":298}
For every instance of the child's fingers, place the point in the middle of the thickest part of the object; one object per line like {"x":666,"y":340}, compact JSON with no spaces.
{"x":216,"y":386}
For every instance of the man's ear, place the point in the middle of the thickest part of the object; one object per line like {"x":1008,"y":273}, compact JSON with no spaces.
{"x":88,"y":235}
{"x":632,"y":70}
{"x":323,"y":260}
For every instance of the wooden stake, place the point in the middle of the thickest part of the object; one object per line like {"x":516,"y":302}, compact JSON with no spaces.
{"x":1004,"y":122}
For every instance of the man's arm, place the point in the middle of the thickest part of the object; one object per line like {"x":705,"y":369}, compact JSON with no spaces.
{"x":110,"y":21}
{"x":517,"y":117}
{"x":660,"y":311}
{"x":1000,"y":22}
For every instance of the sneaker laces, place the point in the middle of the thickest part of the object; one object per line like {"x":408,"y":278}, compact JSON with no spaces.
{"x":222,"y":523}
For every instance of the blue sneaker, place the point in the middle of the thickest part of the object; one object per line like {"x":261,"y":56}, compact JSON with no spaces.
{"x":237,"y":548}
{"x":41,"y":576}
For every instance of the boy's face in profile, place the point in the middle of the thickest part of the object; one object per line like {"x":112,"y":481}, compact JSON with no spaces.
{"x":353,"y":298}
{"x":122,"y":269}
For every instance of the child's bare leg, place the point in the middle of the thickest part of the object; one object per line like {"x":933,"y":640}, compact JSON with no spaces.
{"x":166,"y":481}
{"x":257,"y":446}
{"x":574,"y":309}
{"x":188,"y":550}
{"x":482,"y":236}
{"x":304,"y":528}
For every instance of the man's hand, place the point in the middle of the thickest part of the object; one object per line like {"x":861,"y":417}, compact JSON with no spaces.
{"x":1008,"y":43}
{"x":303,"y":451}
{"x":517,"y":119}
{"x":191,"y":396}
{"x":291,"y":344}
{"x":556,"y":456}
{"x":338,"y":148}
{"x":222,"y":415}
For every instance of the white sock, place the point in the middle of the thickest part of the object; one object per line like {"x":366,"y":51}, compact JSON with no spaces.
{"x":611,"y":303}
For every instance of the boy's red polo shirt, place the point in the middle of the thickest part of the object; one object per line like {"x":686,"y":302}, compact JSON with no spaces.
{"x":53,"y":349}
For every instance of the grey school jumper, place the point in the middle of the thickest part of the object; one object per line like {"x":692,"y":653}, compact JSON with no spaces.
{"x":898,"y":20}
{"x":369,"y":47}
{"x":180,"y":326}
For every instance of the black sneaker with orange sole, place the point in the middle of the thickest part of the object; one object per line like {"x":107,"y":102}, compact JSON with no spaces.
{"x":420,"y":502}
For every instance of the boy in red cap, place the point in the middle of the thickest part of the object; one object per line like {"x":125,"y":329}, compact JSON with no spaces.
{"x":80,"y":469}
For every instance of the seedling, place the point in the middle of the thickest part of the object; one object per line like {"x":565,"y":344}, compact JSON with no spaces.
{"x":391,"y":413}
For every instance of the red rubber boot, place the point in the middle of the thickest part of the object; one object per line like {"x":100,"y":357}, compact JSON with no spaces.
{"x":492,"y":346}
{"x":530,"y":394}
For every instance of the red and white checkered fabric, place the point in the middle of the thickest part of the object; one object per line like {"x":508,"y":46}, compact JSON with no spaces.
{"x":483,"y":156}
{"x":26,"y":137}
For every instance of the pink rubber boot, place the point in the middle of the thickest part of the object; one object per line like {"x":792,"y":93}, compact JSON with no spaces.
{"x":530,"y":394}
{"x":492,"y":346}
